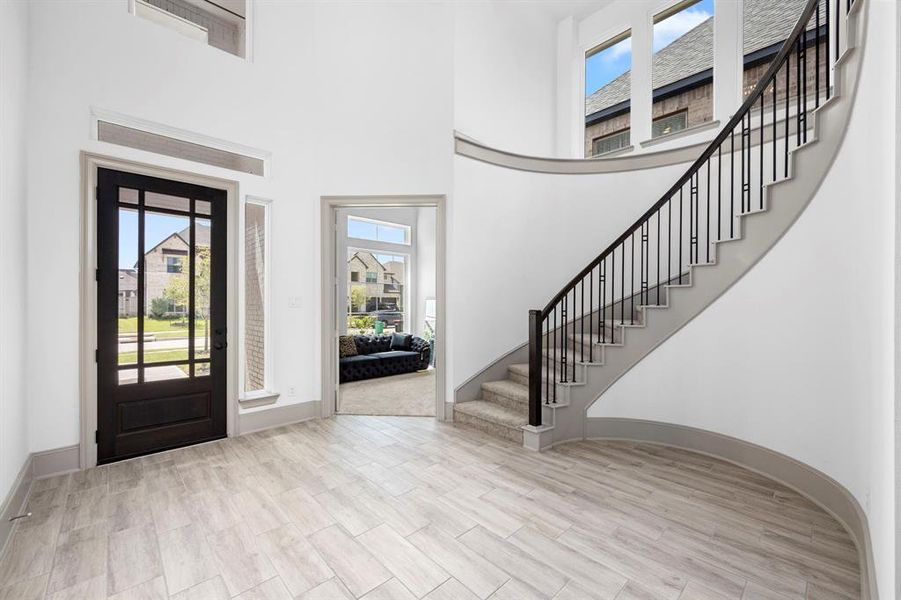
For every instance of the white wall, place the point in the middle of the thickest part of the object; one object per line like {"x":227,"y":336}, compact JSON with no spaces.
{"x":798,"y":356}
{"x":505,"y":75}
{"x":426,"y":265}
{"x":13,"y":82}
{"x":520,"y":237}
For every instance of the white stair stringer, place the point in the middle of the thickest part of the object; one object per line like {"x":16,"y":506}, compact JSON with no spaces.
{"x":756,"y":233}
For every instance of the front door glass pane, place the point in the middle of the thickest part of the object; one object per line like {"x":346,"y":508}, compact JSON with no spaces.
{"x":202,"y":256}
{"x":166,"y":288}
{"x":127,"y":305}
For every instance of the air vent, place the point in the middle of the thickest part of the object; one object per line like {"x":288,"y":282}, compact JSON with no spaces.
{"x":170,"y":146}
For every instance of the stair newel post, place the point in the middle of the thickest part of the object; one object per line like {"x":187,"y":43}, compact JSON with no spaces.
{"x":535,"y":368}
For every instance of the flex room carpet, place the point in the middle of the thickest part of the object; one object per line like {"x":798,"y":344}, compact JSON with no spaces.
{"x":410,"y":394}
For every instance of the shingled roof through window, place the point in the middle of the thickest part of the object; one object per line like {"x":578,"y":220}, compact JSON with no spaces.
{"x":766,"y":22}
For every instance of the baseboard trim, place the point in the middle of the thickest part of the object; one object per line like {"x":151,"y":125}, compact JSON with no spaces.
{"x":260,"y":420}
{"x":15,"y":502}
{"x":54,"y":462}
{"x":818,"y":487}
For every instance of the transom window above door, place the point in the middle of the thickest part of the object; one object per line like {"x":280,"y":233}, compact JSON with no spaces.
{"x":378,"y":231}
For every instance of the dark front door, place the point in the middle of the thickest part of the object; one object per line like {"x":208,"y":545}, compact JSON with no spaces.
{"x":161,"y":322}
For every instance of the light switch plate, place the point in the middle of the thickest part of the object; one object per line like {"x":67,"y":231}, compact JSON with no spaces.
{"x":293,"y":301}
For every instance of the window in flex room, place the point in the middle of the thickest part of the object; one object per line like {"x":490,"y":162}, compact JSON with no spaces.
{"x":607,"y":95}
{"x":682,"y":67}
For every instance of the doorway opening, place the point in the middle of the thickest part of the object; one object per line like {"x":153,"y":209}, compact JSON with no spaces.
{"x":383,"y":344}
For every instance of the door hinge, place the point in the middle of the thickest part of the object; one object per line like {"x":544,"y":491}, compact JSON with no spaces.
{"x":96,"y":192}
{"x":96,"y":356}
{"x":96,"y":274}
{"x":96,"y":436}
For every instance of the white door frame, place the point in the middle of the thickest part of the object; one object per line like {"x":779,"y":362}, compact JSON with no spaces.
{"x":90,"y":162}
{"x":329,"y":345}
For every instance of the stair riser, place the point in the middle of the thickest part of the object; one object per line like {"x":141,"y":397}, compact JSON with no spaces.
{"x":493,"y":429}
{"x":516,"y":404}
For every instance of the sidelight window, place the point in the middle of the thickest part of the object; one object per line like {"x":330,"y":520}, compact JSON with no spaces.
{"x":256,"y":296}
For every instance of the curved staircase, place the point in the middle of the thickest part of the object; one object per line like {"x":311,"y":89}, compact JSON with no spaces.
{"x":723,"y":215}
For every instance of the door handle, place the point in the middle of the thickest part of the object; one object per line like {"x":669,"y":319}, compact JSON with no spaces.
{"x":220,"y":345}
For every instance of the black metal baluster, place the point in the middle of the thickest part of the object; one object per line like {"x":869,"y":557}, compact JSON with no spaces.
{"x":798,"y":116}
{"x":719,"y":193}
{"x":564,"y":344}
{"x":742,"y":163}
{"x":732,"y":186}
{"x":644,"y":267}
{"x":816,"y":81}
{"x":826,"y":64}
{"x":658,"y":255}
{"x":603,"y":324}
{"x":680,"y":235}
{"x":547,"y":362}
{"x":555,"y":355}
{"x":622,"y":287}
{"x":802,"y":47}
{"x":775,"y":135}
{"x":669,"y":240}
{"x":696,"y":202}
{"x":838,"y":24}
{"x":632,"y":281}
{"x":707,"y":239}
{"x":590,"y":314}
{"x":582,"y":322}
{"x":761,"y":149}
{"x":788,"y":75}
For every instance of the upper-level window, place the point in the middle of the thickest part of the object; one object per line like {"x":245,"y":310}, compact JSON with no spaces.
{"x":608,"y":92}
{"x":372,"y":277}
{"x":610,"y":143}
{"x":765,"y":26}
{"x":219,"y":23}
{"x":682,"y":67}
{"x":378,"y":231}
{"x":671,"y":123}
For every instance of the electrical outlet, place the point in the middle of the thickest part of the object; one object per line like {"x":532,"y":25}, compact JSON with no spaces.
{"x":292,"y":391}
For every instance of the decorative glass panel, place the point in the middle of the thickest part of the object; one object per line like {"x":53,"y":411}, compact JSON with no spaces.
{"x":154,"y":200}
{"x":128,"y":196}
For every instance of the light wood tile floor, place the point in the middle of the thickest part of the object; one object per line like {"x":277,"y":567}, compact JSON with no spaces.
{"x":396,"y":508}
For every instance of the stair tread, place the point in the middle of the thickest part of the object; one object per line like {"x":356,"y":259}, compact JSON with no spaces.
{"x":494,"y":413}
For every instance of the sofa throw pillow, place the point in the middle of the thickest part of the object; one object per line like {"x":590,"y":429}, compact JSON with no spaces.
{"x":401,"y":341}
{"x":346,"y":346}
